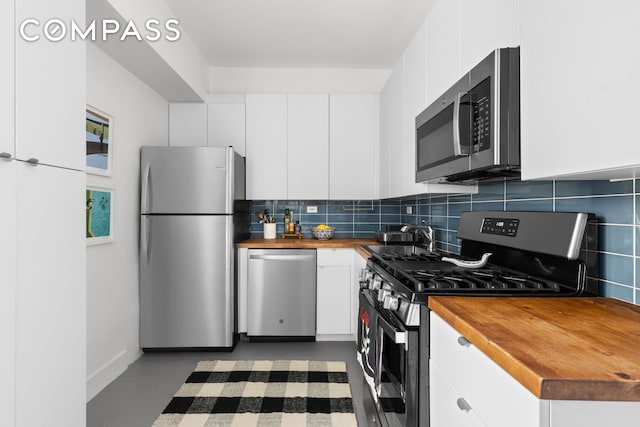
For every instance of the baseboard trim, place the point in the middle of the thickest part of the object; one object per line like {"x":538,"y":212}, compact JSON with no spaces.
{"x":335,"y":337}
{"x":108,"y":372}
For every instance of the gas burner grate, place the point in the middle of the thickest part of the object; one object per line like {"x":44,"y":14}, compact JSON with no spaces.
{"x":480,"y":280}
{"x":391,"y":257}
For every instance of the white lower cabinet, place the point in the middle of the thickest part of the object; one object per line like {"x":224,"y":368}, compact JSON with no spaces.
{"x":584,"y":413}
{"x":495,"y":397}
{"x":469,"y":389}
{"x":242,"y":289}
{"x":359,"y":264}
{"x":334,"y":309}
{"x":445,"y":401}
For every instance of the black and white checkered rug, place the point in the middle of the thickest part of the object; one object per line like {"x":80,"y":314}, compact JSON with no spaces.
{"x":262,"y":393}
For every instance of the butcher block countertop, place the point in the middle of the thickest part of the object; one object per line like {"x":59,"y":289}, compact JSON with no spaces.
{"x":309,"y":243}
{"x":558,"y":348}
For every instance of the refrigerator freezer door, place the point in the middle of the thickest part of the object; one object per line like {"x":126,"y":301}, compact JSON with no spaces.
{"x":186,"y":281}
{"x":187,"y":180}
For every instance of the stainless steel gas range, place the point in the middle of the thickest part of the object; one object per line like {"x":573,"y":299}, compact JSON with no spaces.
{"x":502,"y":253}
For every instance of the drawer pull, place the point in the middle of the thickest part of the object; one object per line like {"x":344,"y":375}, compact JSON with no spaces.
{"x":463,"y":405}
{"x":463,"y":341}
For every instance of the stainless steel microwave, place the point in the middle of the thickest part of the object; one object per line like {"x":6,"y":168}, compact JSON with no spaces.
{"x":472,"y":132}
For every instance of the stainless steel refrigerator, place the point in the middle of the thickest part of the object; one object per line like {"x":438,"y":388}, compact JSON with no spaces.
{"x":192,"y":212}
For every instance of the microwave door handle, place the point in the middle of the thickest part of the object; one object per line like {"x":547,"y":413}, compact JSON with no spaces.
{"x":457,"y":146}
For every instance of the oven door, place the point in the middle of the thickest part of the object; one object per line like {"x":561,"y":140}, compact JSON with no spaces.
{"x":395,"y":374}
{"x":367,"y":331}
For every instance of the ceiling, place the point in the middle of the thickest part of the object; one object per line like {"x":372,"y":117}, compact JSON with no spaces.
{"x":301,"y":33}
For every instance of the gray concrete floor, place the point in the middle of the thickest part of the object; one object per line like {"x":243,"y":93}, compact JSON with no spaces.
{"x":140,"y":394}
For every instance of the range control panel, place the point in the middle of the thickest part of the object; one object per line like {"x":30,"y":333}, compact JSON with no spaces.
{"x":500,"y":226}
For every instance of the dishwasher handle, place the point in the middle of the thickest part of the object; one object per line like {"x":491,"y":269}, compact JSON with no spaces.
{"x":282,"y":257}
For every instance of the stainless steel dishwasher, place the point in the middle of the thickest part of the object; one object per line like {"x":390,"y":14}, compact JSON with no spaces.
{"x":282,"y":293}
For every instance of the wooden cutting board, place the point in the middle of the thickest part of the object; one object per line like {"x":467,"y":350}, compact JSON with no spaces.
{"x":558,"y":348}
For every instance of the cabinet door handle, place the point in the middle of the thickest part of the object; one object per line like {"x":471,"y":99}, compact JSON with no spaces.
{"x":33,"y":161}
{"x":463,"y":341}
{"x":6,"y":157}
{"x":463,"y":404}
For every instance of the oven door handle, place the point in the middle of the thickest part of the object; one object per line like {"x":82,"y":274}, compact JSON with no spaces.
{"x":457,"y":145}
{"x":398,"y":336}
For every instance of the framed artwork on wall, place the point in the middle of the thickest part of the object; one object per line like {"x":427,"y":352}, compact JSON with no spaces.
{"x":99,"y":141}
{"x":100,"y":215}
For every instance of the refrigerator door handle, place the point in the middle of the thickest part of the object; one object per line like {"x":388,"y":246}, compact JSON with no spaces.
{"x":230,"y":166}
{"x":145,"y":189}
{"x":144,"y":238}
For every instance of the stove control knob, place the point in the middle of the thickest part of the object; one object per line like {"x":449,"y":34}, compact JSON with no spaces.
{"x":391,"y":302}
{"x":375,"y":283}
{"x":365,"y":277}
{"x":383,"y":294}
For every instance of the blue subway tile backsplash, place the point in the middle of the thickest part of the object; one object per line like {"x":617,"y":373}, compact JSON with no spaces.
{"x":351,"y":218}
{"x":614,"y":203}
{"x":610,"y":209}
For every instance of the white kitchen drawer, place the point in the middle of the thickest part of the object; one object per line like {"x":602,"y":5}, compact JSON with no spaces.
{"x":332,"y":256}
{"x":444,"y":409}
{"x":496,"y":397}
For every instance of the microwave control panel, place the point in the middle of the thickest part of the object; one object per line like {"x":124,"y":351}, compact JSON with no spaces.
{"x":481,"y":115}
{"x":500,"y":226}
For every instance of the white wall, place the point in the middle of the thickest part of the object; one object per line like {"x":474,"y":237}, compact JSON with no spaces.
{"x":178,"y":65}
{"x":140,"y":118}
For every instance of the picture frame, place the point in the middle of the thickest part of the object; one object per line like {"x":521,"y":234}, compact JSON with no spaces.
{"x":100,"y":214}
{"x":99,"y":141}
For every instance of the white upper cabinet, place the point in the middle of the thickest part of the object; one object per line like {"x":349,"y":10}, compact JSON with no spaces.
{"x":311,"y":146}
{"x":226,"y":126}
{"x":443,"y":47}
{"x":401,"y":100}
{"x":308,"y":146}
{"x":266,"y":146}
{"x":188,"y":124}
{"x":579,"y":91}
{"x":460,"y":34}
{"x":415,"y":87}
{"x":7,"y":70}
{"x":52,"y":132}
{"x":7,"y":218}
{"x":485,"y":26}
{"x":352,"y":146}
{"x":392,"y":149}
